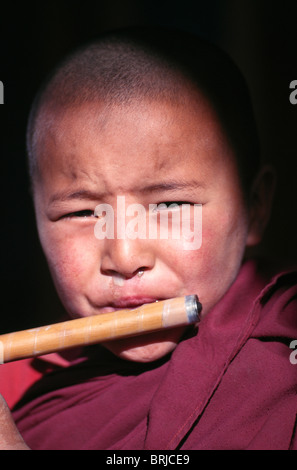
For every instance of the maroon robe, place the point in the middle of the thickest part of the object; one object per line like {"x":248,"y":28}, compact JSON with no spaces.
{"x":230,"y":386}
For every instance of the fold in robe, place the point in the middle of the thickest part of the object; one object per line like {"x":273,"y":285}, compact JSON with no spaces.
{"x":229,"y":385}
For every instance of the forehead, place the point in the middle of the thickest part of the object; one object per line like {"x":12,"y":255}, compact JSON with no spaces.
{"x":146,"y":136}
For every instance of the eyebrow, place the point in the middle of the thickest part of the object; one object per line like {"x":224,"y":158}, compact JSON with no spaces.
{"x":85,"y":194}
{"x":79,"y":194}
{"x":171,"y":186}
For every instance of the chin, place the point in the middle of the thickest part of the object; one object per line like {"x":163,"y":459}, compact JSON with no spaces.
{"x":145,"y":348}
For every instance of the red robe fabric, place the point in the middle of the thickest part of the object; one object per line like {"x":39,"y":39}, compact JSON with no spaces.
{"x":230,"y":386}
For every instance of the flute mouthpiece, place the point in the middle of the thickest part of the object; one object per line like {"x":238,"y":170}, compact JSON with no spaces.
{"x":193,"y":308}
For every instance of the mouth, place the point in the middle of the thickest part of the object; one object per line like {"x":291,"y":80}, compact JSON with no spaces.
{"x":127,"y":303}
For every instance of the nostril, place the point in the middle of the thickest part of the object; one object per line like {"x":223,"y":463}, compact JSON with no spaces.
{"x":118,"y":278}
{"x":140,"y":272}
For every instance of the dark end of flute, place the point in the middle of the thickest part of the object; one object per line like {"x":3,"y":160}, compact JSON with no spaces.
{"x":193,"y":308}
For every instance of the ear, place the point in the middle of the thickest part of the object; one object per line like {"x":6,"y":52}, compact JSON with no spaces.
{"x":260,"y":204}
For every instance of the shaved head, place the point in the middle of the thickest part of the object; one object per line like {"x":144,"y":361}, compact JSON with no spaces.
{"x":135,"y":64}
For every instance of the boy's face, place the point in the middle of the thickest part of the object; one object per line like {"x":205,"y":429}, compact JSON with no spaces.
{"x":149,"y":153}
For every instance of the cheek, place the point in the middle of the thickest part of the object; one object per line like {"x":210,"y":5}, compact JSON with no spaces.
{"x":209,"y":270}
{"x":226,"y":227}
{"x":69,"y":259}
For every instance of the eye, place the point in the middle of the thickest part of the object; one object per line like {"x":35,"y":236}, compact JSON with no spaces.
{"x":81,"y":214}
{"x":170,"y":205}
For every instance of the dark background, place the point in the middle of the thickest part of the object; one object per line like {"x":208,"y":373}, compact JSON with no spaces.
{"x":260,"y":35}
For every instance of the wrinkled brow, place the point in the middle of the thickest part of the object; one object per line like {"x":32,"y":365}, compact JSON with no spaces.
{"x":171,"y":186}
{"x":151,"y":188}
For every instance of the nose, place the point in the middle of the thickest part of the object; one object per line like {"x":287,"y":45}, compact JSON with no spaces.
{"x":126,"y":257}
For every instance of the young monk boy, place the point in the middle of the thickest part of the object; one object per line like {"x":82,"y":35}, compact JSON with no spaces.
{"x":154,"y":118}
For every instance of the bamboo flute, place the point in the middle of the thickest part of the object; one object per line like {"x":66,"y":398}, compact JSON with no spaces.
{"x":99,"y":328}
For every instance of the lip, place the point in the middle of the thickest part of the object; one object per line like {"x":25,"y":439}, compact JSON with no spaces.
{"x":127,"y":303}
{"x":130,"y":302}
